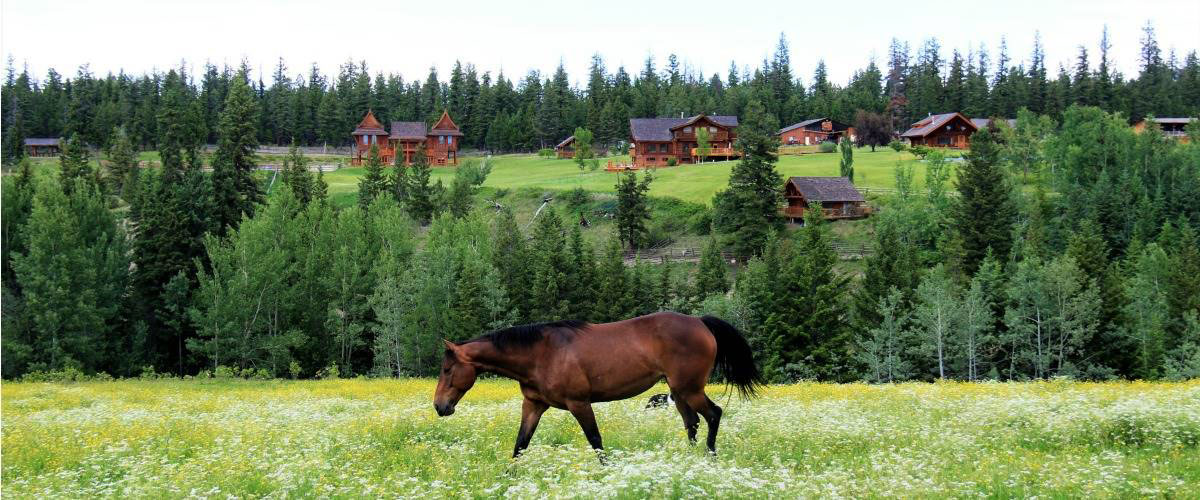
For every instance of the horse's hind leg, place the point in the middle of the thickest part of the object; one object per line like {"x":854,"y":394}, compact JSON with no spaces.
{"x":699,"y":402}
{"x":691,"y":421}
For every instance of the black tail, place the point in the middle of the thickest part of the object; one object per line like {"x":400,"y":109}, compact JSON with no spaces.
{"x":734,"y":360}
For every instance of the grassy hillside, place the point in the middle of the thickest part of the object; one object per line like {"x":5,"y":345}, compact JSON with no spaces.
{"x":380,"y":438}
{"x":691,"y":183}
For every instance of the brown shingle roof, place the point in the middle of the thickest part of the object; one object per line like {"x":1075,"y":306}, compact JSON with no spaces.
{"x":931,"y":123}
{"x":659,"y":129}
{"x":822,"y":189}
{"x":369,"y":126}
{"x":566,"y":141}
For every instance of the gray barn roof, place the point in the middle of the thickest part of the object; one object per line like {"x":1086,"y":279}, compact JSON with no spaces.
{"x":42,"y":141}
{"x":822,"y":189}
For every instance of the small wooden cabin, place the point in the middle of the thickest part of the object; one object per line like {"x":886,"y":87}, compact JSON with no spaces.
{"x":947,"y":130}
{"x":838,"y":197}
{"x":814,"y":131}
{"x":566,"y":148}
{"x":656,"y":141}
{"x":440,"y":142}
{"x":1174,"y":128}
{"x":43,"y":146}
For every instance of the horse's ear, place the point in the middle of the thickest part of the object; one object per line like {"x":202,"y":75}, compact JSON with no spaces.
{"x":452,"y":347}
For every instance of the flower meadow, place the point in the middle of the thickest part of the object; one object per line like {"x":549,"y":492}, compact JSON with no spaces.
{"x":381,"y":438}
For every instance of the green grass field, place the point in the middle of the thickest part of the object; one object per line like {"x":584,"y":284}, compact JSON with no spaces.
{"x":692,"y":183}
{"x":381,"y":438}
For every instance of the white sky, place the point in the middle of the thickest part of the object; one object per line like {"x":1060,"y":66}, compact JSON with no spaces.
{"x":409,"y":36}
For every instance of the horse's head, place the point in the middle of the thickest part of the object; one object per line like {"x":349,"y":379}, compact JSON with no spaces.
{"x":458,"y":375}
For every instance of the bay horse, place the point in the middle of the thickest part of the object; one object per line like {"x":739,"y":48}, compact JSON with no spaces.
{"x":571,"y":364}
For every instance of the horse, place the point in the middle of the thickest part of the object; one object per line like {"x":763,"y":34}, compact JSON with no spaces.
{"x":569,"y":365}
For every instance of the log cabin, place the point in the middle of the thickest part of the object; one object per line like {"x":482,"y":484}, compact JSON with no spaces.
{"x":838,"y":197}
{"x":1174,"y":128}
{"x":440,"y":142}
{"x":43,"y":146}
{"x":947,"y":130}
{"x":566,"y":148}
{"x":658,"y":141}
{"x":814,"y":131}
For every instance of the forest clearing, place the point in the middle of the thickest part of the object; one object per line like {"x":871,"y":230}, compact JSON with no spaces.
{"x":357,"y":437}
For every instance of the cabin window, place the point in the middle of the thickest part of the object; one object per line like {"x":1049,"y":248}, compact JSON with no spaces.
{"x":943,"y":141}
{"x":650,"y":158}
{"x":449,"y":139}
{"x":441,"y":139}
{"x":687,"y":130}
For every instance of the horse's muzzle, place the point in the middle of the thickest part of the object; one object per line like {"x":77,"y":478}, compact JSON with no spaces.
{"x":443,"y":410}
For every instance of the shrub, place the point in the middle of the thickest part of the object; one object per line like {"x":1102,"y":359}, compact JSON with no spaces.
{"x":897,"y":145}
{"x":700,"y":223}
{"x":501,"y":192}
{"x":223,"y":371}
{"x":827,"y":147}
{"x":294,"y":369}
{"x":546,"y":153}
{"x":68,"y":374}
{"x":919,"y":151}
{"x":671,"y":162}
{"x":329,"y":372}
{"x":262,"y":374}
{"x":576,"y":198}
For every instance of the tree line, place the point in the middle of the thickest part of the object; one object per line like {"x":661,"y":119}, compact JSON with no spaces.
{"x":504,"y":113}
{"x":1069,"y":250}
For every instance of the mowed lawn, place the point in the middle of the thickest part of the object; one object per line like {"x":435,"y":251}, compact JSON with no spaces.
{"x":693,"y":183}
{"x":368,"y":438}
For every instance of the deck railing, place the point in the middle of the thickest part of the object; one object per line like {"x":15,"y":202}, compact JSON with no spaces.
{"x":851,"y":212}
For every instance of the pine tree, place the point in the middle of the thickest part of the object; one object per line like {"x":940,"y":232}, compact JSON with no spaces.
{"x":984,"y":214}
{"x":373,"y":182}
{"x":235,"y":191}
{"x":296,"y":174}
{"x":632,"y":208}
{"x":74,"y":163}
{"x":423,"y":197}
{"x":511,"y":259}
{"x":615,"y":300}
{"x":122,"y":161}
{"x":549,"y":297}
{"x":748,"y":210}
{"x":712,"y":277}
{"x":582,"y":281}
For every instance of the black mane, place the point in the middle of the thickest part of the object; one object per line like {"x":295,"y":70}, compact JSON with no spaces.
{"x":526,"y":335}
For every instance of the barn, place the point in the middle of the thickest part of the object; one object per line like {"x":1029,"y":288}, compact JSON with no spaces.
{"x":838,"y":197}
{"x":566,"y":148}
{"x":1174,"y":128}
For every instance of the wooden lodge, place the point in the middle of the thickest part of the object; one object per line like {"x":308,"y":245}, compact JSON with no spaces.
{"x":43,"y":146}
{"x":838,"y":197}
{"x":566,"y":148}
{"x":1174,"y":128}
{"x":814,"y":131}
{"x":658,"y":141}
{"x":947,"y":130}
{"x":440,"y":142}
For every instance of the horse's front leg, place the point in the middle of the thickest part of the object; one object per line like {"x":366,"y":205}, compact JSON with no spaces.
{"x":587,"y":421}
{"x":531,"y":414}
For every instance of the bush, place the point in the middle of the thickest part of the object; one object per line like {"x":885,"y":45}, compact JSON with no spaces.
{"x":919,"y":151}
{"x":501,"y":192}
{"x":671,"y":162}
{"x":577,"y":198}
{"x":68,"y":374}
{"x":223,"y":371}
{"x":294,"y":369}
{"x":329,"y":372}
{"x":826,"y":147}
{"x":700,"y":223}
{"x":897,"y":145}
{"x":546,"y":153}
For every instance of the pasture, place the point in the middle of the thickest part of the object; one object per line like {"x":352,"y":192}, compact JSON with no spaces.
{"x":372,"y":438}
{"x":691,"y":183}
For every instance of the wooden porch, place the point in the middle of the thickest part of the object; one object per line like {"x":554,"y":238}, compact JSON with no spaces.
{"x":847,"y":212}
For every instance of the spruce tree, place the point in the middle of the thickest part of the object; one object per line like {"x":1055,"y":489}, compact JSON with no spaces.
{"x":122,"y":160}
{"x":615,"y":301}
{"x":984,"y":214}
{"x":549,"y":295}
{"x":581,"y":276}
{"x":632,"y":208}
{"x":423,"y":197}
{"x":748,"y":210}
{"x":235,"y":190}
{"x":711,"y":278}
{"x":74,"y":162}
{"x":373,"y":181}
{"x":511,"y":258}
{"x":296,"y":174}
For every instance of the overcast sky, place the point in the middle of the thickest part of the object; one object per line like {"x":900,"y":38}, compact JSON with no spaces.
{"x":409,"y":36}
